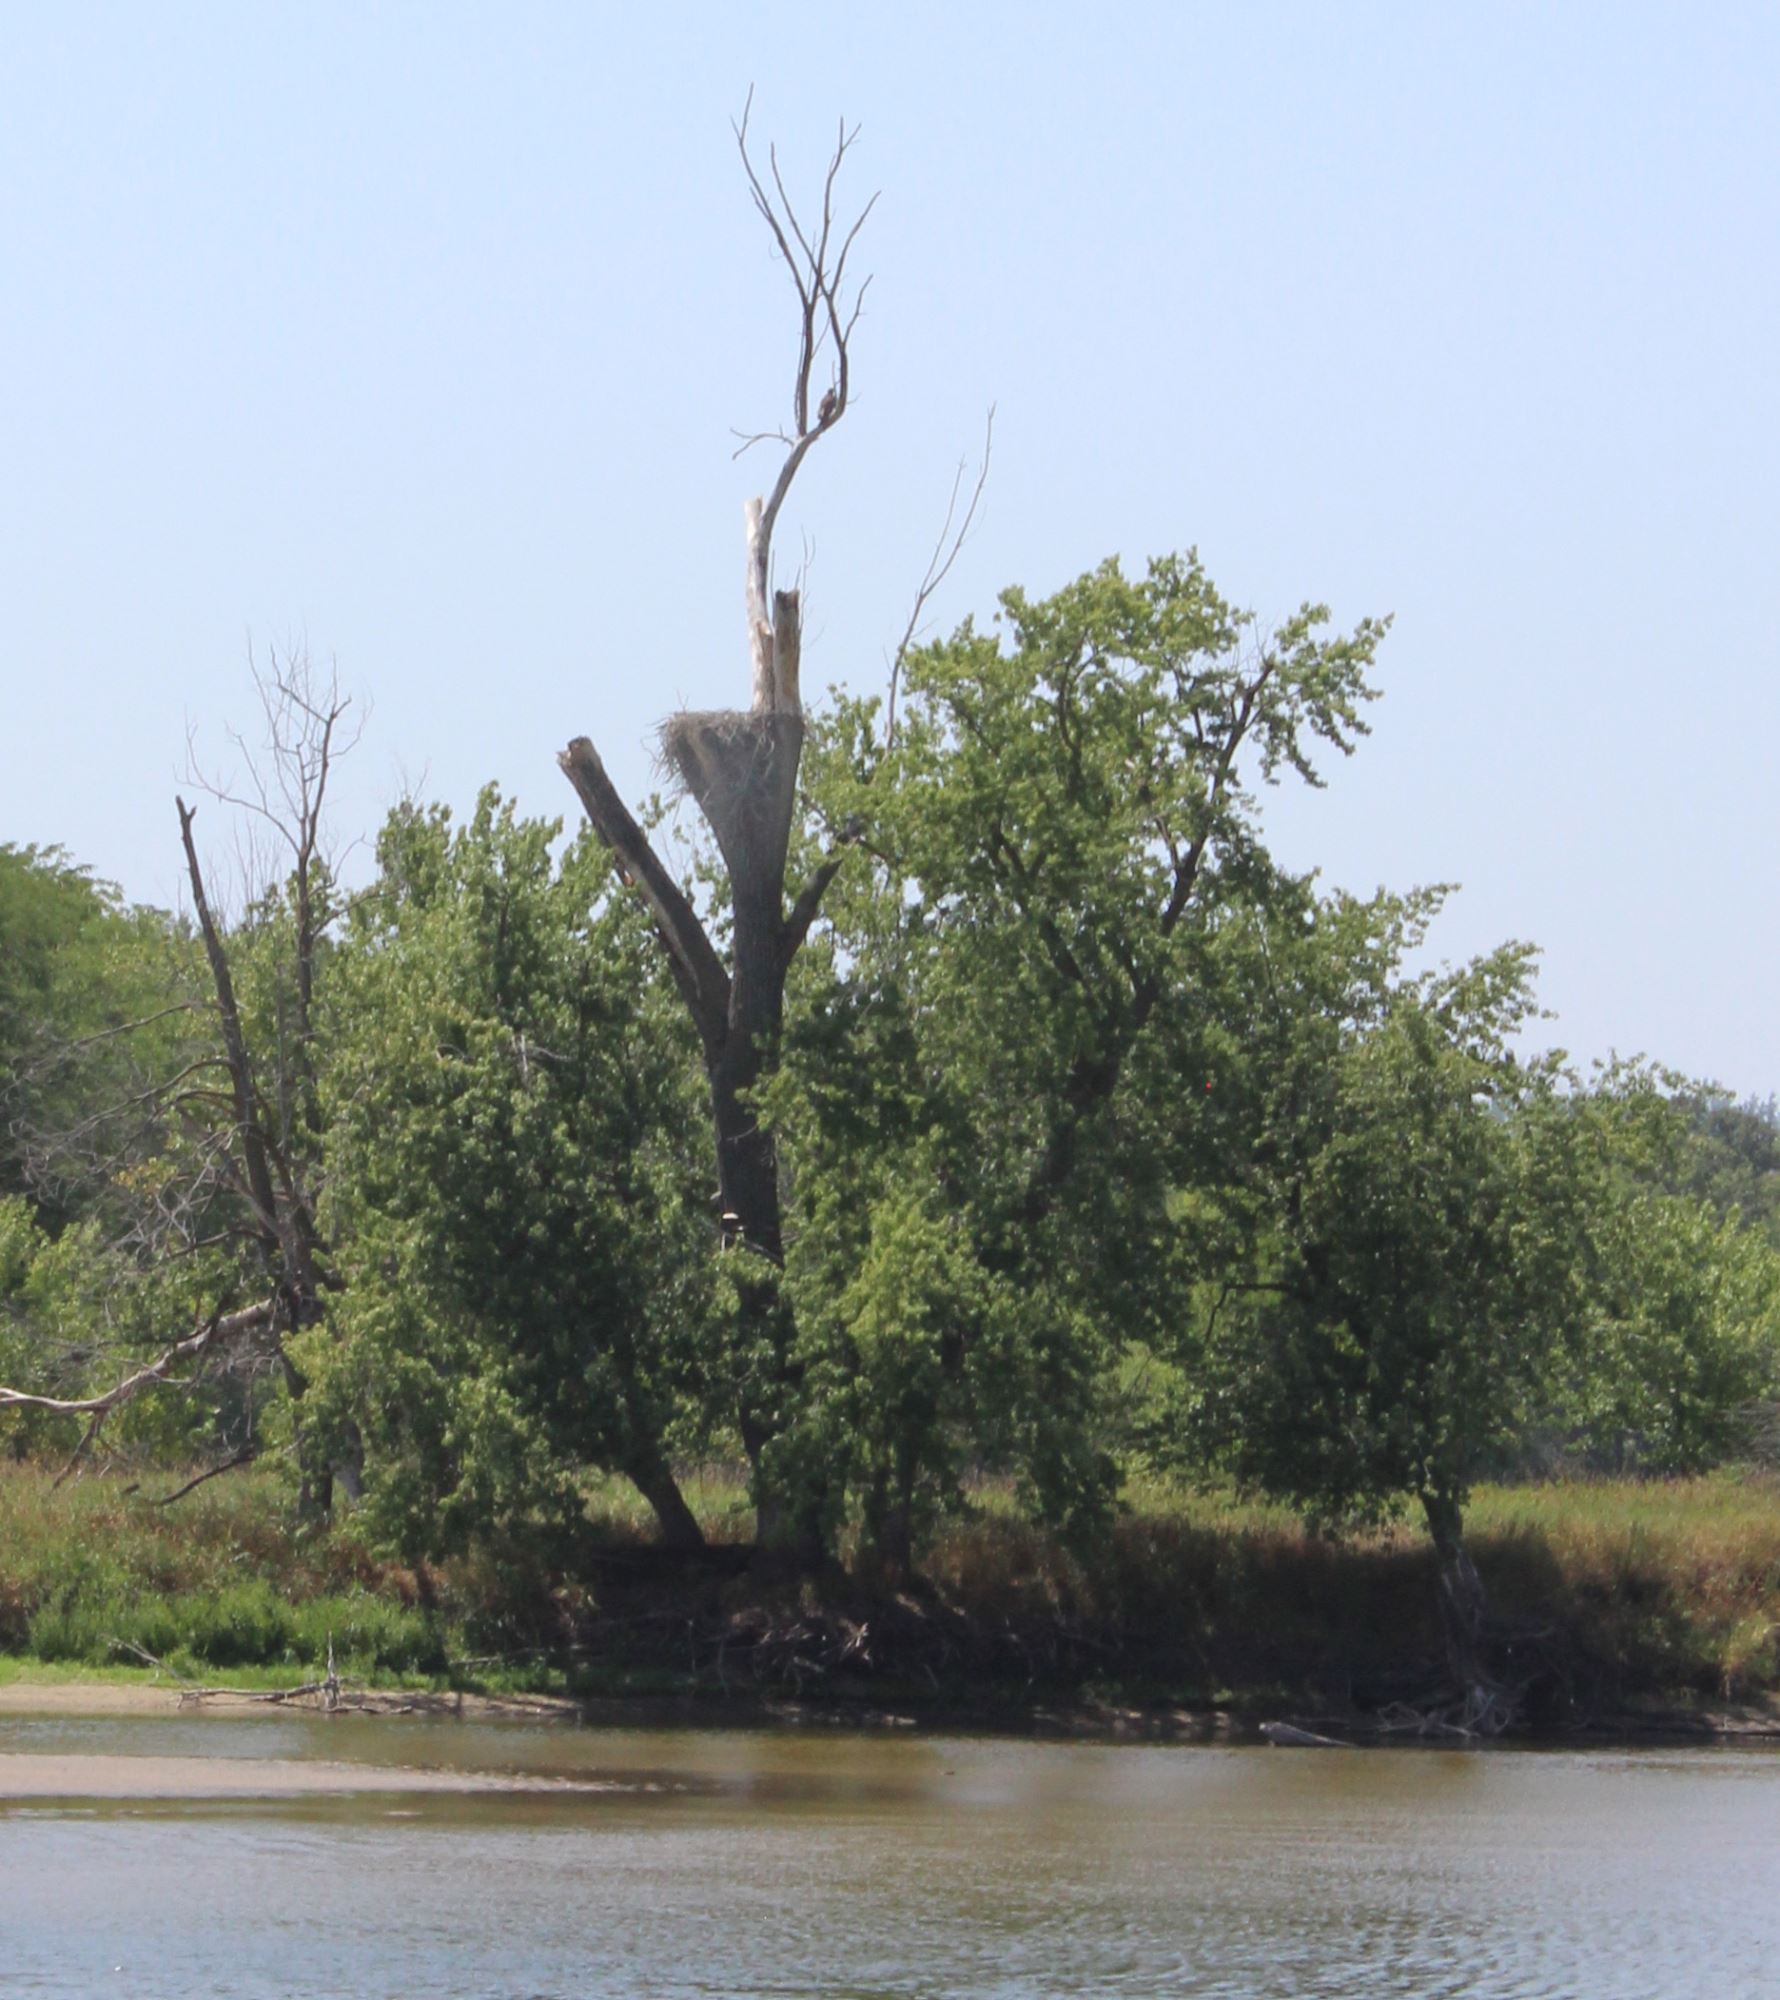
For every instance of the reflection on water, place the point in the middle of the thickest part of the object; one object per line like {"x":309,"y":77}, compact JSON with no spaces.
{"x":790,"y":1865}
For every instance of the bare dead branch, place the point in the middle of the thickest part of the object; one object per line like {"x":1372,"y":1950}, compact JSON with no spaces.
{"x":808,"y":904}
{"x":283,"y":780}
{"x":245,"y":1456}
{"x":308,"y":725}
{"x":217,"y":1331}
{"x":749,"y":439}
{"x":945,"y":553}
{"x":62,"y":1050}
{"x":816,"y":260}
{"x":155,"y":1093}
{"x":698,"y":972}
{"x":191,"y":1692}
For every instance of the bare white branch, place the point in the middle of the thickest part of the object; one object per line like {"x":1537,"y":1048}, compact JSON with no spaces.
{"x":816,"y":259}
{"x":954,"y":532}
{"x":217,"y":1331}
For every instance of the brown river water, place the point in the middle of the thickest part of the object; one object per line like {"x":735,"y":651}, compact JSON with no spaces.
{"x":184,"y":1859}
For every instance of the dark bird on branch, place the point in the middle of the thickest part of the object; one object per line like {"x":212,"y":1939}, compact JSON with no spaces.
{"x":827,"y":408}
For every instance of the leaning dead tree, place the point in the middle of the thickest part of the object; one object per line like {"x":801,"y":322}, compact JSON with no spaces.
{"x":741,"y":767}
{"x":239,"y":1119}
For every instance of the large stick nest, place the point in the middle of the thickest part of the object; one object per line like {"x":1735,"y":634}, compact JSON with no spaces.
{"x":741,"y":767}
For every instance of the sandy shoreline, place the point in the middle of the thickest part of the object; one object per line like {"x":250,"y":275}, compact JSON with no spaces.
{"x":1751,"y":1722}
{"x":109,"y":1698}
{"x":74,"y":1698}
{"x":26,"y":1776}
{"x":73,"y":1776}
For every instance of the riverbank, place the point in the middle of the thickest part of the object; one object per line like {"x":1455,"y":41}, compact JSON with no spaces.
{"x":1614,"y":1600}
{"x":1082,"y":1722}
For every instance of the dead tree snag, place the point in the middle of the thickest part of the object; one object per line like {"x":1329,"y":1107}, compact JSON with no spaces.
{"x":241,"y":1117}
{"x":741,"y":767}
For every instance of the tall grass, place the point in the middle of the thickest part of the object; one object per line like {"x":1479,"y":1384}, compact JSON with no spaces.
{"x":1628,"y":1589}
{"x":222,"y":1579}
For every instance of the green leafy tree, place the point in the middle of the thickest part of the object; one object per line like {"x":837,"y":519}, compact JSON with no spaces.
{"x":1734,"y":1161}
{"x":981,"y":1096}
{"x":1408,"y":1287}
{"x":93,"y":1000}
{"x":1685,"y":1313}
{"x":526,"y":1233}
{"x":1686,"y":1336}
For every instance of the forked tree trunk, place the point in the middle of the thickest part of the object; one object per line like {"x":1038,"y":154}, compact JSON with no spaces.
{"x":741,"y":768}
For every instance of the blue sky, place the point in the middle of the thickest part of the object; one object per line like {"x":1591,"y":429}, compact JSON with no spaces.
{"x":417,"y":334}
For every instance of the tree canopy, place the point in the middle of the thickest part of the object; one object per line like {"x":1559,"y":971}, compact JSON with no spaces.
{"x":1078,"y":1135}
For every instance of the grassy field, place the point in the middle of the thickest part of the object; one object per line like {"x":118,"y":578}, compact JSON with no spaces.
{"x":1609,"y":1593}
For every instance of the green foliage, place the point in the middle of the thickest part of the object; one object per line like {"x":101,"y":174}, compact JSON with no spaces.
{"x":522,"y":1221}
{"x":93,"y":1000}
{"x":981,"y":1081}
{"x":219,"y":1580}
{"x":100,"y":1031}
{"x":1411,"y":1286}
{"x":1687,"y":1339}
{"x":1099,"y":1138}
{"x":1734,"y":1158}
{"x":1685,"y":1295}
{"x":74,"y":1310}
{"x":250,"y":1623}
{"x":53,"y":917}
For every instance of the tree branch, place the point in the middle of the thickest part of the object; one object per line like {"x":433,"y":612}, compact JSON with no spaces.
{"x":945,"y":554}
{"x":808,"y":902}
{"x":245,"y":1456}
{"x":698,"y":972}
{"x":217,"y":1331}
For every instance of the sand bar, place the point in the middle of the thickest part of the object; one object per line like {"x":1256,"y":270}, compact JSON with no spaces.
{"x":144,"y":1698}
{"x":26,"y":1776}
{"x":85,"y":1698}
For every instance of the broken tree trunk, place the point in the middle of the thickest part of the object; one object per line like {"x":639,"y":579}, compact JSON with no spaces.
{"x":740,"y":767}
{"x":741,"y":770}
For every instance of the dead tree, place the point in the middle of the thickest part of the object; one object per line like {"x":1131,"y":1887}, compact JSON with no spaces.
{"x":243,"y":1109}
{"x":271,"y":1162}
{"x":741,"y":768}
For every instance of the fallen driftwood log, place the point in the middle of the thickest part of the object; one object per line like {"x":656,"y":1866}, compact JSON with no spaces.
{"x":341,"y":1694}
{"x":330,"y":1689}
{"x":1288,"y":1736}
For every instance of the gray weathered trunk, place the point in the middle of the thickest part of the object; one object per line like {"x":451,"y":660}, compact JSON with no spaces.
{"x":741,"y":769}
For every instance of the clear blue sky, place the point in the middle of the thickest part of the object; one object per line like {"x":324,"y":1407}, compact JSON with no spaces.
{"x":417,"y":333}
